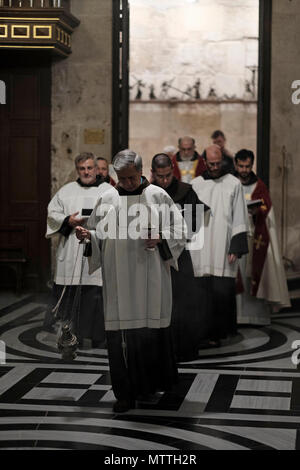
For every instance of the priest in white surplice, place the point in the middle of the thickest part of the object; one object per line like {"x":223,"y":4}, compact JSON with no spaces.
{"x":225,"y":240}
{"x":136,"y":280}
{"x":71,"y":206}
{"x":262,"y":282}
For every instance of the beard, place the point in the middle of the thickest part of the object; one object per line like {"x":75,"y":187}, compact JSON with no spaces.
{"x":88,"y":179}
{"x":215,"y":173}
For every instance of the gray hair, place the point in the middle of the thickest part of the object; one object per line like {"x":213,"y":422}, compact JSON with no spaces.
{"x":169,"y":149}
{"x":82,"y":157}
{"x":186,"y":137}
{"x":127,"y":158}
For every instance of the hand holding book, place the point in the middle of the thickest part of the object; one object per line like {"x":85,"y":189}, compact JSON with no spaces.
{"x":254,"y":205}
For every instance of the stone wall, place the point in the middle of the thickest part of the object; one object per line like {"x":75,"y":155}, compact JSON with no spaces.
{"x":81,"y":91}
{"x":285,"y":122}
{"x":181,"y":41}
{"x":156,"y":125}
{"x":210,"y":40}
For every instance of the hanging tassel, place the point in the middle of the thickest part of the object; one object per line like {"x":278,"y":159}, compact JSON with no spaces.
{"x":67,"y":342}
{"x":55,"y":309}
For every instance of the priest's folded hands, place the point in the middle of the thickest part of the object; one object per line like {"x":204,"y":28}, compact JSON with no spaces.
{"x":74,"y":220}
{"x":152,"y":242}
{"x":82,"y":233}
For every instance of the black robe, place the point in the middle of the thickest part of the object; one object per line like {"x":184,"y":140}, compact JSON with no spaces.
{"x":189,"y":294}
{"x":221,"y":315}
{"x":149,"y":364}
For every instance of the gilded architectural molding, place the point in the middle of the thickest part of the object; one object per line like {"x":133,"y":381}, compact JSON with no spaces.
{"x":43,"y":28}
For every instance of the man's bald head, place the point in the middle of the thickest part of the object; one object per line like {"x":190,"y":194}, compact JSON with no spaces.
{"x":186,"y":147}
{"x":214,"y":160}
{"x":213,"y":151}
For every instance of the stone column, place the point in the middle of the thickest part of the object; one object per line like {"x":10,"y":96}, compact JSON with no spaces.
{"x":285,"y":124}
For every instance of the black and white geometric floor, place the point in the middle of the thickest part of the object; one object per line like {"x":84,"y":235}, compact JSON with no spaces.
{"x":244,"y":395}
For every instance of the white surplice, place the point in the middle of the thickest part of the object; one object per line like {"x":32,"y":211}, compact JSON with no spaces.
{"x":137,"y":289}
{"x":272,"y":289}
{"x":228,"y":218}
{"x":70,"y":199}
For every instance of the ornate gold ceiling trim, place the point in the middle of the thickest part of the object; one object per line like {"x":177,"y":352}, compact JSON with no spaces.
{"x":36,"y":35}
{"x":27,"y":47}
{"x":17,"y":18}
{"x":51,"y":31}
{"x":5,"y":26}
{"x":25,"y":27}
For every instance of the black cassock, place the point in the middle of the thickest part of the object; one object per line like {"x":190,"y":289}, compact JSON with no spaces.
{"x":190,"y":294}
{"x":83,"y":304}
{"x":150,"y":364}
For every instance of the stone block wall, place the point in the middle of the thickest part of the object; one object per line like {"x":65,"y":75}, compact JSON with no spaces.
{"x":181,"y":41}
{"x":81,"y":94}
{"x":81,"y":91}
{"x":156,"y":125}
{"x":211,"y":40}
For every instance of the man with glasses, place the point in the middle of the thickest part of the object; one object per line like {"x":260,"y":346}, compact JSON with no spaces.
{"x":225,"y":240}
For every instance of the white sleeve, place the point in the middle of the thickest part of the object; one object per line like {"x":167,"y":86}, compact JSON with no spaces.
{"x":173,"y":229}
{"x":95,"y":259}
{"x":240,"y":221}
{"x":56,"y":215}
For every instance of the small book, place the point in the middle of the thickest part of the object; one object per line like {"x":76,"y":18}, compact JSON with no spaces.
{"x":255,"y":203}
{"x":86,"y":212}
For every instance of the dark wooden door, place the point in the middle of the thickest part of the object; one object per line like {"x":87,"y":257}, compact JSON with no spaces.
{"x":25,"y":122}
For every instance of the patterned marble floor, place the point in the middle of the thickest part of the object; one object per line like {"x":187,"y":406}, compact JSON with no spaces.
{"x":244,"y":395}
